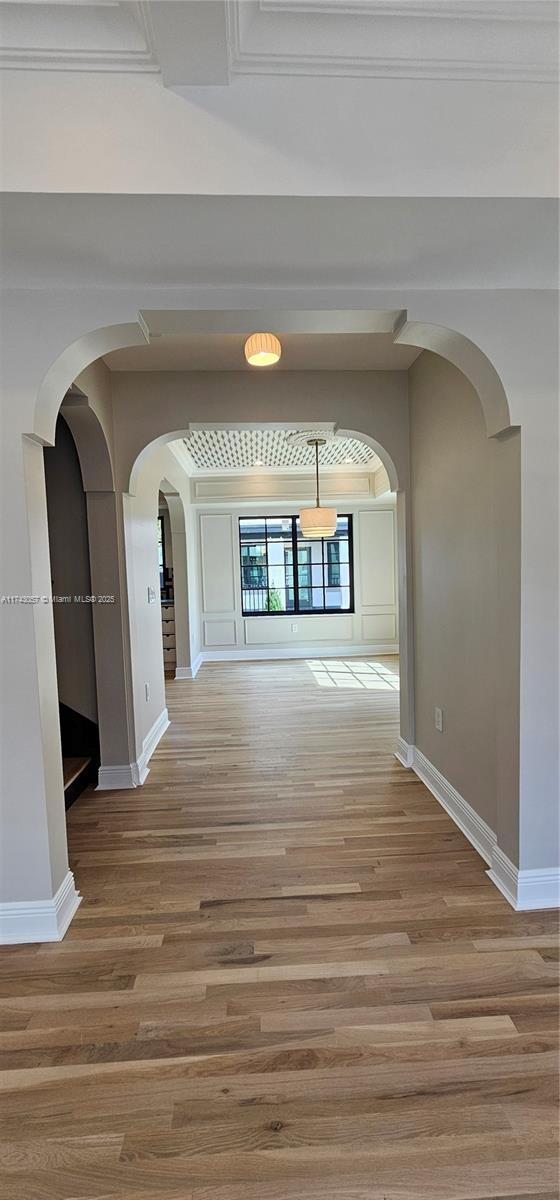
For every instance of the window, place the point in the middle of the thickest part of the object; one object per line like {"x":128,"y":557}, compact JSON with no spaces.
{"x":283,"y":572}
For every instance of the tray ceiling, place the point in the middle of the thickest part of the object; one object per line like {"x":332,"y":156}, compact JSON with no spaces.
{"x":247,"y":449}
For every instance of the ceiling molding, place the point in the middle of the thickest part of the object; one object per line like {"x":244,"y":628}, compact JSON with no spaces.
{"x":202,"y":42}
{"x":449,"y":10}
{"x":395,"y":40}
{"x":117,"y":39}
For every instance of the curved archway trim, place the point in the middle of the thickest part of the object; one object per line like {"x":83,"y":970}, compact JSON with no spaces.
{"x":469,"y":359}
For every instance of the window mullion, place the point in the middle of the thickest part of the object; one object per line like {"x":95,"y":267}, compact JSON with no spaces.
{"x":267,"y":571}
{"x":295,"y":564}
{"x":323,"y":574}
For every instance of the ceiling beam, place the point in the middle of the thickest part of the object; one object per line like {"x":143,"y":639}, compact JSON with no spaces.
{"x":178,"y":322}
{"x":190,"y":41}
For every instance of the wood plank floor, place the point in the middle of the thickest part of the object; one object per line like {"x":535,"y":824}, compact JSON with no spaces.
{"x":289,"y":979}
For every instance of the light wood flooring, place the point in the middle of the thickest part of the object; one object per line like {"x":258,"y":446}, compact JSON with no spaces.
{"x":289,"y":979}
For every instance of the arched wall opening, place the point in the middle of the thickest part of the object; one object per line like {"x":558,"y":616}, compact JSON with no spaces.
{"x":218,"y":629}
{"x":85,"y":414}
{"x":175,"y":502}
{"x":473,"y":363}
{"x":69,"y":542}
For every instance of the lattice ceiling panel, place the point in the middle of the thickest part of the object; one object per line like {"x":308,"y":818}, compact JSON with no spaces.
{"x":242,"y":449}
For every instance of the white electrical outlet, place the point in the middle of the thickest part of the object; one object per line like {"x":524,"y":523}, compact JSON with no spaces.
{"x":294,"y":628}
{"x":438,"y":715}
{"x":147,"y":691}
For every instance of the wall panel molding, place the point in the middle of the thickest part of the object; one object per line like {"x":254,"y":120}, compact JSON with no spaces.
{"x":220,"y":633}
{"x":376,"y":551}
{"x":216,"y":552}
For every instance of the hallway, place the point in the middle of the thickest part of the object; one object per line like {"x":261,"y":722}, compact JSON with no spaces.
{"x":289,"y":976}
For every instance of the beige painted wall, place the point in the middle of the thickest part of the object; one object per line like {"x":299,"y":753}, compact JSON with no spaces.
{"x":95,"y":383}
{"x":70,"y":573}
{"x":465,"y":495}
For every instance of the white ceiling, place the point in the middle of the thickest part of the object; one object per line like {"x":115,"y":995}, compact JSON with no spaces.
{"x":300,"y":352}
{"x":209,"y":42}
{"x":206,"y":241}
{"x":243,"y":450}
{"x":281,"y":97}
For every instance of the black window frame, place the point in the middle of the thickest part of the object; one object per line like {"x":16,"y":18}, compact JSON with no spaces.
{"x":296,"y":611}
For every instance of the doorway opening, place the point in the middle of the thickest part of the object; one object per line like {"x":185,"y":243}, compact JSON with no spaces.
{"x":67,"y":519}
{"x":166,"y":586}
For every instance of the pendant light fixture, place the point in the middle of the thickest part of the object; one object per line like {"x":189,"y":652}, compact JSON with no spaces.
{"x":262,"y":349}
{"x":317,"y":522}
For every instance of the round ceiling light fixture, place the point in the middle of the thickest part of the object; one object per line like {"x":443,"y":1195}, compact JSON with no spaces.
{"x":262,"y":349}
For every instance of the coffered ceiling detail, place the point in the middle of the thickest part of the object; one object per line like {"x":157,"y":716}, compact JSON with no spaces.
{"x":247,"y":449}
{"x":415,"y":39}
{"x":205,"y":42}
{"x":73,"y":35}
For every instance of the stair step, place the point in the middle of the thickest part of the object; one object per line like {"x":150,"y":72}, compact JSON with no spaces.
{"x":72,"y":768}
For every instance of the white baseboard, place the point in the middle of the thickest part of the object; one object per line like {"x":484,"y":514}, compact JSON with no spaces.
{"x":189,"y":672}
{"x":40,"y":920}
{"x":404,"y":752}
{"x":131,"y":775}
{"x":480,"y":835}
{"x":115,"y":778}
{"x":524,"y":890}
{"x":270,"y":653}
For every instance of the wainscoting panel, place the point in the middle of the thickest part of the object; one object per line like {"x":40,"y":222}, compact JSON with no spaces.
{"x":376,"y":549}
{"x":216,"y":551}
{"x":291,"y":630}
{"x":219,"y":633}
{"x":378,"y":627}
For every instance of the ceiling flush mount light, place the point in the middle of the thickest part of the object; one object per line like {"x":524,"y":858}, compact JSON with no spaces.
{"x":262,"y":349}
{"x":317,"y":522}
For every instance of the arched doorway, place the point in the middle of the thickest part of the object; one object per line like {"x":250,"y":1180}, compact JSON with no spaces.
{"x":72,"y":613}
{"x":493,"y":396}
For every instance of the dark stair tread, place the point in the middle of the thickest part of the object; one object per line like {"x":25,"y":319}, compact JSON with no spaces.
{"x":72,"y":768}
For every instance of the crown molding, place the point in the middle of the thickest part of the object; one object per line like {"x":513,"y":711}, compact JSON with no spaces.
{"x":252,"y":31}
{"x":400,"y":39}
{"x":29,"y":54}
{"x":528,"y":11}
{"x":244,"y":63}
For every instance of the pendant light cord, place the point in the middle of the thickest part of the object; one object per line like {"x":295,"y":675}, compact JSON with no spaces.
{"x":317,"y":505}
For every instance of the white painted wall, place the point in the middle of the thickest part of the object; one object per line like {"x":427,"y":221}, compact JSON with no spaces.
{"x":280,"y":136}
{"x":223,"y":630}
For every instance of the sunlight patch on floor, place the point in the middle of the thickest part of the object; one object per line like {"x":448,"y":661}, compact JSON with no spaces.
{"x":349,"y":673}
